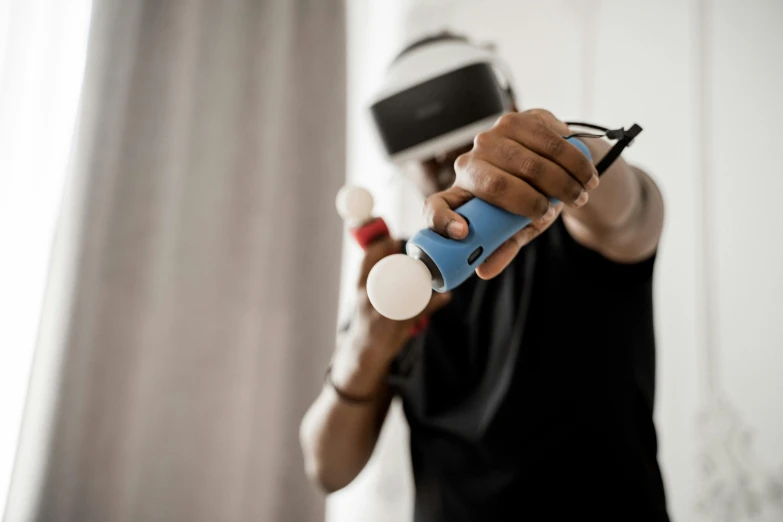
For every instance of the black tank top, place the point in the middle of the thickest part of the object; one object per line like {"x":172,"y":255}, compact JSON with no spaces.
{"x":530,"y":396}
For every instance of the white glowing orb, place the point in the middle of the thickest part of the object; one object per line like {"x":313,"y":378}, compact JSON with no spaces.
{"x":354,"y":204}
{"x":399,"y":287}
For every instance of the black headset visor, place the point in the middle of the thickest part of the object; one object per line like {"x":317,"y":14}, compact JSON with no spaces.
{"x":438,"y":107}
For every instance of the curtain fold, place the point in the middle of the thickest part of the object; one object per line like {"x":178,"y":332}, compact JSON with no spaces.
{"x":190,"y":305}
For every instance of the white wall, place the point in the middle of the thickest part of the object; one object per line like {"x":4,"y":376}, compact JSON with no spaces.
{"x":42,"y":52}
{"x":719,"y":293}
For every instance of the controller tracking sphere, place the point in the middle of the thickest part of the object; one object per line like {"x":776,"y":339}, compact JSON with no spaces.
{"x":399,"y":287}
{"x":354,"y":204}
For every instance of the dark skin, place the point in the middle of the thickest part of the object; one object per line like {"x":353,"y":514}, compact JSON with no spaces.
{"x":516,"y":165}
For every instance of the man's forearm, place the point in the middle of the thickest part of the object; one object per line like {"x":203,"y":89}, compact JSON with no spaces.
{"x":338,"y":438}
{"x":624,"y":216}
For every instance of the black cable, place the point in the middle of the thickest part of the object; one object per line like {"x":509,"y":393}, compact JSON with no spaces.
{"x":622,"y":136}
{"x":586,"y":125}
{"x":612,"y":134}
{"x":585,"y":135}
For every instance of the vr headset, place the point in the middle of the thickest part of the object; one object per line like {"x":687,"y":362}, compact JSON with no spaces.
{"x":438,"y":96}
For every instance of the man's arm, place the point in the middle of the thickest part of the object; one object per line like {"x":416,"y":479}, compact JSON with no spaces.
{"x":624,"y":217}
{"x":523,"y":160}
{"x":338,"y":436}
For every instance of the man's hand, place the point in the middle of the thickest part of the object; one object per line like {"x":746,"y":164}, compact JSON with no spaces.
{"x":517,"y":165}
{"x":372,"y":330}
{"x":338,"y":437}
{"x":372,"y":340}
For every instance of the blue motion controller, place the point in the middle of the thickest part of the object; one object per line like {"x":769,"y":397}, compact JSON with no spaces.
{"x":452,"y":262}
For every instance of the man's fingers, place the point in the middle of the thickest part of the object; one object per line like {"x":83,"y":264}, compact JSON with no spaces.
{"x":544,"y":136}
{"x":501,"y":189}
{"x":550,"y":120}
{"x":500,"y":258}
{"x":542,"y":174}
{"x":440,"y":216}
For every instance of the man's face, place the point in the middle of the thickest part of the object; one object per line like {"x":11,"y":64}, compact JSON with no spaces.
{"x":437,"y":173}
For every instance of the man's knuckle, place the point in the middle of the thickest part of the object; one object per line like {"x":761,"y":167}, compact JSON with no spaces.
{"x":539,"y":129}
{"x":483,"y":140}
{"x":493,"y":184}
{"x":531,"y":167}
{"x":506,"y":122}
{"x":428,"y":211}
{"x":554,"y":145}
{"x":462,"y":162}
{"x":540,"y":116}
{"x":508,"y":151}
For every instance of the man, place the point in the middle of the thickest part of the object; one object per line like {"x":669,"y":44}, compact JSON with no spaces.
{"x":530,"y":394}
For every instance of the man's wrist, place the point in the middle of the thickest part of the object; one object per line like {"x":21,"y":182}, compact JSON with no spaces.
{"x":360,"y":372}
{"x":614,"y":201}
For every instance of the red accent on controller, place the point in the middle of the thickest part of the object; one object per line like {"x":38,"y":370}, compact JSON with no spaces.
{"x":369,"y":232}
{"x":374,"y":230}
{"x":420,"y":326}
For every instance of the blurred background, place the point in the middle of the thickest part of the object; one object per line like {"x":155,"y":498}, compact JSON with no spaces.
{"x":171,"y":261}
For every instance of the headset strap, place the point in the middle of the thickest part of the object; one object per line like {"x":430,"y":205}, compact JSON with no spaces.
{"x":623,"y":137}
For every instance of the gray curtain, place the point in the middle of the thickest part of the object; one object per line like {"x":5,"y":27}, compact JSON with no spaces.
{"x":190,"y":309}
